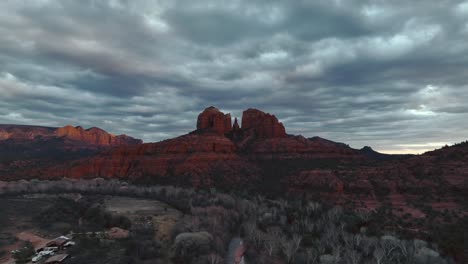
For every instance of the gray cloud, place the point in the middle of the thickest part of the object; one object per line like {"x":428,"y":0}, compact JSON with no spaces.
{"x":379,"y":73}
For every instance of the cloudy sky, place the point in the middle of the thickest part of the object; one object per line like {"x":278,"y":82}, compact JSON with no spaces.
{"x":387,"y":74}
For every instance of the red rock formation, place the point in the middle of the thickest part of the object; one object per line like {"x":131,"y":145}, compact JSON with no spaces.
{"x":95,"y":136}
{"x":92,"y":136}
{"x":191,"y":160}
{"x":25,"y":149}
{"x":21,"y":132}
{"x":264,"y":125}
{"x":219,"y":155}
{"x":213,"y":120}
{"x":236,"y":125}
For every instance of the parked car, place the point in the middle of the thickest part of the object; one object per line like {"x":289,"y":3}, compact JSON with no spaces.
{"x":42,"y":254}
{"x":54,"y":249}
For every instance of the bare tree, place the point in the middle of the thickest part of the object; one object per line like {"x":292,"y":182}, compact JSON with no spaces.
{"x":253,"y":234}
{"x":389,"y":245}
{"x":352,"y":256}
{"x":378,"y":255}
{"x":363,"y":214}
{"x":215,"y":259}
{"x":290,"y":247}
{"x":337,"y":252}
{"x":311,"y":256}
{"x":270,"y":243}
{"x":368,"y":244}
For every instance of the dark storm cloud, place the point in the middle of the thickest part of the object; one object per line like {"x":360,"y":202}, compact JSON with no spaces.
{"x":383,"y":73}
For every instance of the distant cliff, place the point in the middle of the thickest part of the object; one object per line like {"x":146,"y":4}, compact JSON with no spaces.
{"x":92,"y":136}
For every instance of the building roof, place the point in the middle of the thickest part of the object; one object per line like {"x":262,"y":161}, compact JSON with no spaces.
{"x":57,"y":258}
{"x":58,"y":241}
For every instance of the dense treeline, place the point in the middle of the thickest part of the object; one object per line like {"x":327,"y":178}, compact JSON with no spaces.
{"x":275,"y":231}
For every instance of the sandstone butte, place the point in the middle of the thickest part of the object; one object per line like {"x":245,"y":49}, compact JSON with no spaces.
{"x":264,"y":124}
{"x":214,"y":120}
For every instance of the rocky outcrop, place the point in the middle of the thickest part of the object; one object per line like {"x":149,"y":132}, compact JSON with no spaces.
{"x":262,"y":124}
{"x":213,"y":120}
{"x":236,"y":126}
{"x":22,"y":132}
{"x":255,"y":125}
{"x":92,"y":136}
{"x":95,"y":136}
{"x":26,"y":149}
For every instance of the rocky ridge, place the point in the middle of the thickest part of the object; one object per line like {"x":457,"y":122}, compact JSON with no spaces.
{"x":91,"y":136}
{"x":26,"y":149}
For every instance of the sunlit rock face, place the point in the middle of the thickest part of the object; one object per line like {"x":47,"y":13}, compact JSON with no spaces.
{"x":92,"y":136}
{"x":95,"y":136}
{"x":26,"y":150}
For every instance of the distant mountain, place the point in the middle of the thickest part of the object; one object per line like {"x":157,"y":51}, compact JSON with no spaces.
{"x":25,"y":148}
{"x":371,"y":153}
{"x":92,"y":136}
{"x":328,"y":142}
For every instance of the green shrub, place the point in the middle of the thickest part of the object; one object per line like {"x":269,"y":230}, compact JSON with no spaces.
{"x":24,"y":254}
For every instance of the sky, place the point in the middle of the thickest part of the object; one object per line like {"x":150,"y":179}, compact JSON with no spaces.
{"x":392,"y":75}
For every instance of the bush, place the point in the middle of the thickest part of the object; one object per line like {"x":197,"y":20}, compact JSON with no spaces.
{"x":190,"y":245}
{"x":142,"y":244}
{"x":24,"y":254}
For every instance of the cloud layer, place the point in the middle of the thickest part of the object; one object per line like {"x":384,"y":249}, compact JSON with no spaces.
{"x":388,"y":74}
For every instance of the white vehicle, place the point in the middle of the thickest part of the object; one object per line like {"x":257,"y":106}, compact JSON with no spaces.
{"x":36,"y":258}
{"x":69,"y":244}
{"x":54,"y":249}
{"x":42,"y":254}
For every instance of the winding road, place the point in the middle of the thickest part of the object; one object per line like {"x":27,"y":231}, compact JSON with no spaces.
{"x":236,"y":250}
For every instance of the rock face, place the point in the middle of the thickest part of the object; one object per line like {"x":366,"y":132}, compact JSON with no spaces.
{"x":236,"y":126}
{"x":95,"y":136}
{"x":26,"y":148}
{"x":213,"y":120}
{"x":21,"y":132}
{"x":263,"y":124}
{"x":255,"y":125}
{"x":92,"y":136}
